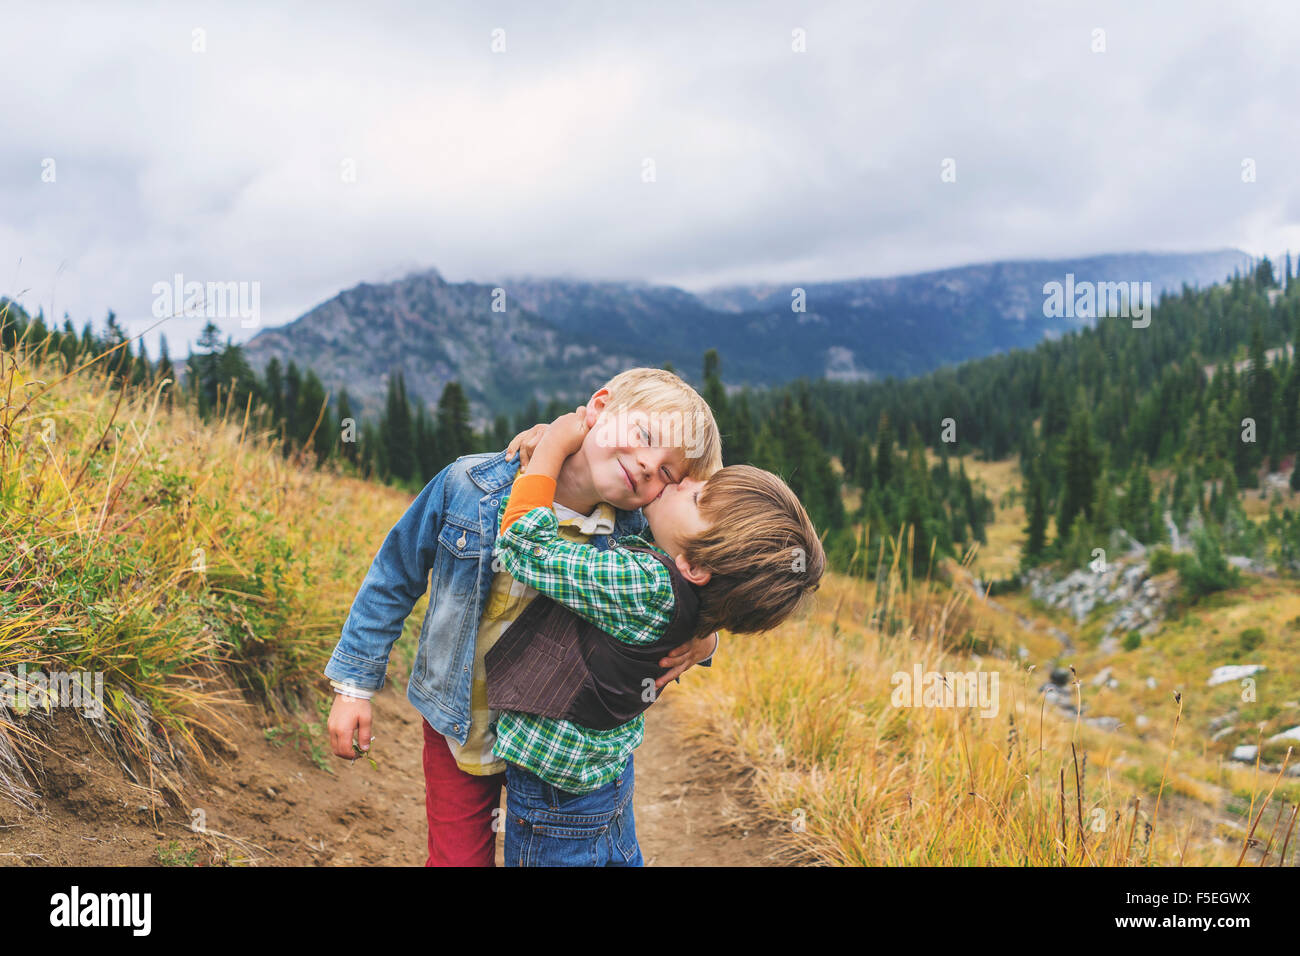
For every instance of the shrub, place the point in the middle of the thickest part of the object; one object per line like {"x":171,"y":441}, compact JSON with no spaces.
{"x":1162,"y":559}
{"x":1207,"y":570}
{"x":1251,"y":638}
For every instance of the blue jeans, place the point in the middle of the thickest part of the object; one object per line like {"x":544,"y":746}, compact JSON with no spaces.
{"x":547,"y":826}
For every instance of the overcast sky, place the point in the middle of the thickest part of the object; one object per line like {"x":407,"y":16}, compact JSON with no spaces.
{"x":231,"y":162}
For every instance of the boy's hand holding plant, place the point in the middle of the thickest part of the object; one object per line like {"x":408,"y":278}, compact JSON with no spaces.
{"x":349,"y":725}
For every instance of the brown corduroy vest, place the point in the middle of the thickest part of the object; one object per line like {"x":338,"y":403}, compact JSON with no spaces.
{"x":552,"y":663}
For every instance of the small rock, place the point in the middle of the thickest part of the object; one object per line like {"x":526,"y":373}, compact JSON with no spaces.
{"x":1109,"y":724}
{"x":1245,"y":753}
{"x":1292,"y":734}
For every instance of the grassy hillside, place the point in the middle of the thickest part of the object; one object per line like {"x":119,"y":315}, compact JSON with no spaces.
{"x":185,"y":561}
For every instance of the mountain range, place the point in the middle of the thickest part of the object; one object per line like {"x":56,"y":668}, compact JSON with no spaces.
{"x":511,"y":341}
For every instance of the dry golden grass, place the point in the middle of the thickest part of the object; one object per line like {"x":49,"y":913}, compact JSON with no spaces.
{"x":850,"y":778}
{"x":183,"y":560}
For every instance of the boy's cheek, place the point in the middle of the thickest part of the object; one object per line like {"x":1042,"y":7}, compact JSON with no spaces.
{"x":605,"y":435}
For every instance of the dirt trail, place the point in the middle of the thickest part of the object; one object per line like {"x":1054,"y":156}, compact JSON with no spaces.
{"x":270,"y":805}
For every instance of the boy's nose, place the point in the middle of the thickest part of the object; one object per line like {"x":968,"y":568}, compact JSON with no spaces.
{"x":650,"y":466}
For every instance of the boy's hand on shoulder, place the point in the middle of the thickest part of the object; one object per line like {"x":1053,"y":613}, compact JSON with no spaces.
{"x":686,"y":656}
{"x":525,"y":445}
{"x":569,"y":431}
{"x":563,"y":438}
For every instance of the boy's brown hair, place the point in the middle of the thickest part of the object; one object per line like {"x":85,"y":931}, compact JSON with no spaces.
{"x":760,"y":547}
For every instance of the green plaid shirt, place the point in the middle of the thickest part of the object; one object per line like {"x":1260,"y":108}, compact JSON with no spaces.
{"x":626,"y":594}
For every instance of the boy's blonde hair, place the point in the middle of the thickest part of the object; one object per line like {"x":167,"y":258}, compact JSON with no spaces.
{"x":683,"y":418}
{"x":760,"y":547}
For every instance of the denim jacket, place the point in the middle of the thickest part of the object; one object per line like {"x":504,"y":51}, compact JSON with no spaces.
{"x":450,"y":529}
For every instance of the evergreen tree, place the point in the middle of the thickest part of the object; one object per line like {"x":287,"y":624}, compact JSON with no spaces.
{"x":455,"y":435}
{"x":501,"y":433}
{"x":313,"y":417}
{"x":715,"y":394}
{"x":398,"y":432}
{"x":347,"y":425}
{"x":68,"y":345}
{"x":1260,"y":387}
{"x":1080,"y":470}
{"x":1036,"y":507}
{"x":739,"y":449}
{"x":374,"y":462}
{"x":530,"y":416}
{"x":292,"y":407}
{"x":273,"y":388}
{"x":164,"y":370}
{"x":884,"y":452}
{"x":202,"y":368}
{"x":428,"y":456}
{"x":864,"y":473}
{"x":140,"y":369}
{"x":238,"y":383}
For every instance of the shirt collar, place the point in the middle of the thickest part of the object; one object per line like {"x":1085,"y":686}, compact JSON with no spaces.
{"x":600,"y":521}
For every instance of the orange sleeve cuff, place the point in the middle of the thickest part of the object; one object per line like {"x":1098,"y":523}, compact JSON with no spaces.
{"x":528,"y":492}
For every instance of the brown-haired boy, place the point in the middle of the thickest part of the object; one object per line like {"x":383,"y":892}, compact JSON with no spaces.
{"x":573,"y":674}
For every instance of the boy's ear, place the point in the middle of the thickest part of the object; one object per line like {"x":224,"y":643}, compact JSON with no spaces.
{"x":595,"y":405}
{"x":697,"y":576}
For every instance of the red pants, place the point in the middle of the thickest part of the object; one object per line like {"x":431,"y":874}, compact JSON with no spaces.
{"x":460,"y":807}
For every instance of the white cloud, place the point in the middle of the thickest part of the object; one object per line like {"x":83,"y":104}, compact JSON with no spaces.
{"x":771,"y":165}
